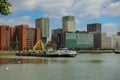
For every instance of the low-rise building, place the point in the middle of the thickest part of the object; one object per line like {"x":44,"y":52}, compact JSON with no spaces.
{"x":106,"y":41}
{"x":79,"y":41}
{"x":115,"y":42}
{"x":101,"y":40}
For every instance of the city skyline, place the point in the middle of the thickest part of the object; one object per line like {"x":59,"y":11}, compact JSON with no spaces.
{"x":106,"y":12}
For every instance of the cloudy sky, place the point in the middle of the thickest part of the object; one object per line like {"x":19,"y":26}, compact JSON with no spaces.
{"x":106,"y":12}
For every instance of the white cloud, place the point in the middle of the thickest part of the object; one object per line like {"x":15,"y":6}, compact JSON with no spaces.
{"x":111,"y":28}
{"x":79,"y":8}
{"x":113,"y":9}
{"x":16,"y":21}
{"x":82,"y":29}
{"x":90,"y":9}
{"x":49,"y":6}
{"x":58,"y":8}
{"x":78,"y":21}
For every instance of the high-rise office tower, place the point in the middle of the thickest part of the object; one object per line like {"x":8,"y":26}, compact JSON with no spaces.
{"x":95,"y":27}
{"x":68,"y":24}
{"x":43,"y":24}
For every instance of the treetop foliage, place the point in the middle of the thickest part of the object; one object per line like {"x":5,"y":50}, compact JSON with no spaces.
{"x":5,"y":7}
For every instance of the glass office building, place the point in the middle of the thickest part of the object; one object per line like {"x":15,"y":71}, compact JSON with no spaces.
{"x":79,"y":41}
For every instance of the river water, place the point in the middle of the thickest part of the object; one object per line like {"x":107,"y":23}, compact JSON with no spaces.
{"x":81,"y":67}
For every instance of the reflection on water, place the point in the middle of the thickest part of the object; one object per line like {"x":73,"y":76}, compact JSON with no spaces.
{"x":30,"y":61}
{"x":81,"y":67}
{"x":42,"y":61}
{"x":22,"y":61}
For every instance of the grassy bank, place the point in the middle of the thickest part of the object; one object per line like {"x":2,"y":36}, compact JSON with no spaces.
{"x":8,"y":52}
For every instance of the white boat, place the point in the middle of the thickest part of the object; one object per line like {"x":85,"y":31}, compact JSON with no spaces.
{"x":64,"y":52}
{"x":117,"y":51}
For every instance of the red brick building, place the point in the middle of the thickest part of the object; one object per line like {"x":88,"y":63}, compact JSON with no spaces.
{"x":20,"y":37}
{"x":4,"y":37}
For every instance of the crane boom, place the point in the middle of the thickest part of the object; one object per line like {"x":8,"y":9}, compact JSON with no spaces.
{"x":39,"y":42}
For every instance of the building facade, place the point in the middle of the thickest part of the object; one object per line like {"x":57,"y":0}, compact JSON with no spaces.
{"x":101,"y":40}
{"x":27,"y":37}
{"x":68,"y":24}
{"x":20,"y":37}
{"x":4,"y":37}
{"x":95,"y":27}
{"x":97,"y":40}
{"x":106,"y":41}
{"x":115,"y":42}
{"x":43,"y":24}
{"x":79,"y":41}
{"x":57,"y":37}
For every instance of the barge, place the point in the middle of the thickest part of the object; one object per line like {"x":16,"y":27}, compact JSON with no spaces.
{"x":64,"y":52}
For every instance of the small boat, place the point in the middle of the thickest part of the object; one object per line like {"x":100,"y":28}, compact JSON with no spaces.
{"x":117,"y":51}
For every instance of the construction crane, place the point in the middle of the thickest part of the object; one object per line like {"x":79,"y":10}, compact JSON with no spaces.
{"x":38,"y":43}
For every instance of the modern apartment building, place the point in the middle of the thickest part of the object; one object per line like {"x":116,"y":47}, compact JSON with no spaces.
{"x":68,"y":24}
{"x":43,"y":24}
{"x":27,"y":37}
{"x":4,"y":37}
{"x":19,"y":37}
{"x":95,"y":27}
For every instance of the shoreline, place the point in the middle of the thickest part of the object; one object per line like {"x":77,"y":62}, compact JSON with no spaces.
{"x":79,"y":51}
{"x":8,"y":52}
{"x":96,"y":51}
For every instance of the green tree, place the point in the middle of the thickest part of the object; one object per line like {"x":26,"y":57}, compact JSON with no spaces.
{"x":5,"y":7}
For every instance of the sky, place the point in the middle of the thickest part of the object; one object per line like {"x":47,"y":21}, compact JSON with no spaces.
{"x":106,"y":12}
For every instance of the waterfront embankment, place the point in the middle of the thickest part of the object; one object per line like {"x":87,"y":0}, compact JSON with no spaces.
{"x":95,"y":51}
{"x":79,"y":51}
{"x":8,"y":52}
